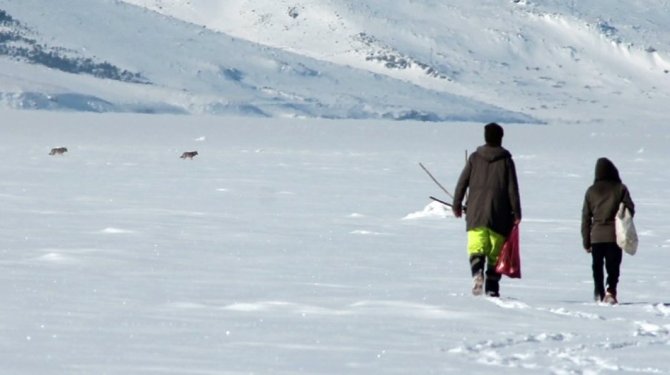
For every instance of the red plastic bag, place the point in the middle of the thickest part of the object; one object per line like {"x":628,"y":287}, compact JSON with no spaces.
{"x":509,"y":261}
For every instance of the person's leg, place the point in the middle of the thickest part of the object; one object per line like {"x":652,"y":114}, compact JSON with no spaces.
{"x":598,"y":255}
{"x":492,"y":285}
{"x":477,"y":263}
{"x":478,"y":247}
{"x":613,"y":257}
{"x":477,"y":268}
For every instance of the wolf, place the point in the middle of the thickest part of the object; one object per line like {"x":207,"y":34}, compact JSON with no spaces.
{"x":58,"y":151}
{"x":189,"y":154}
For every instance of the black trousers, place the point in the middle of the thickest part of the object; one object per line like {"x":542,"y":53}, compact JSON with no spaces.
{"x":609,"y":255}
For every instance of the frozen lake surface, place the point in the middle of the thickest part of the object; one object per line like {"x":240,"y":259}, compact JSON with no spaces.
{"x":311,"y":247}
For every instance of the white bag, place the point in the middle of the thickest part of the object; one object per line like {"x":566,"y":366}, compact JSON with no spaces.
{"x":626,"y":236}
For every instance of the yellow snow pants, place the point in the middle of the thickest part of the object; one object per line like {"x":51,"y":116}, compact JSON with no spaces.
{"x":483,"y":241}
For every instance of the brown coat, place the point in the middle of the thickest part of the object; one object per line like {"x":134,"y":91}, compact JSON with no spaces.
{"x":493,"y":196}
{"x":601,"y":203}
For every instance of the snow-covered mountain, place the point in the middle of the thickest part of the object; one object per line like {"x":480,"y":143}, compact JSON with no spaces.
{"x":509,"y":61}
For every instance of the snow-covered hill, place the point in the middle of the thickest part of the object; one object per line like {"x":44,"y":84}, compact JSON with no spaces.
{"x":510,"y":61}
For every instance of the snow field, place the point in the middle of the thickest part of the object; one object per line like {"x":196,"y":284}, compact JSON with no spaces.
{"x":310,"y":246}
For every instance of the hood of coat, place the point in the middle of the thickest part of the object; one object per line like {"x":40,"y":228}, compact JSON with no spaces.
{"x":493,"y":153}
{"x":606,"y":171}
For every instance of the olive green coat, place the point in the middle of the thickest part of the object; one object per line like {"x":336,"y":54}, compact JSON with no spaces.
{"x":493,"y":190}
{"x":601,"y":203}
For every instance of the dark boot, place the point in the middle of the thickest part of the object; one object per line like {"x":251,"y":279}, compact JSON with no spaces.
{"x":492,"y":285}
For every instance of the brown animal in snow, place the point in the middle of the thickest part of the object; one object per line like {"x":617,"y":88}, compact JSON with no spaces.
{"x":189,"y":154}
{"x":58,"y":151}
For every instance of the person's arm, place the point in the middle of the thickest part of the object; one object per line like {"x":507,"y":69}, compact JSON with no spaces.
{"x":587,"y":217}
{"x":461,"y":187}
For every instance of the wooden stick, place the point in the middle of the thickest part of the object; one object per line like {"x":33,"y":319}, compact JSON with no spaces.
{"x":436,"y":181}
{"x":441,"y":201}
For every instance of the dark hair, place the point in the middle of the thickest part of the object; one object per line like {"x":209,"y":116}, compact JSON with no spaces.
{"x":493,"y":134}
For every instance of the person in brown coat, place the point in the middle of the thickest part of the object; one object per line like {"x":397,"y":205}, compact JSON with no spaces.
{"x":601,"y":204}
{"x":493,"y":207}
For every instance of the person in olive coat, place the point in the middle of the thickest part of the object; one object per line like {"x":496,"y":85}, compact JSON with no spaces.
{"x":493,"y":207}
{"x":601,"y":204}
